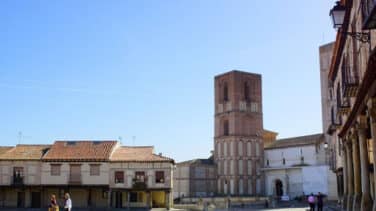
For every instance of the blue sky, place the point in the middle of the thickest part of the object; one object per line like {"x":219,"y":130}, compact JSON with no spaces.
{"x":109,"y":69}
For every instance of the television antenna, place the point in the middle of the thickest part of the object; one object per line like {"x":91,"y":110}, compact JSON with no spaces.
{"x":21,"y":137}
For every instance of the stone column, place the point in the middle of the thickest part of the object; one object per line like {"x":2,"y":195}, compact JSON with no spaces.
{"x":366,"y":202}
{"x":167,"y":200}
{"x":344,"y":171}
{"x":350,"y":176}
{"x":372,"y":113}
{"x":356,"y":166}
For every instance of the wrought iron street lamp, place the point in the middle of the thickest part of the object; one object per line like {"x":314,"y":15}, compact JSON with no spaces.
{"x":337,"y":13}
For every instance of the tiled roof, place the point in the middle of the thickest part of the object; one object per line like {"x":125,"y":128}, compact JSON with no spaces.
{"x":80,"y":151}
{"x":24,"y":152}
{"x":4,"y":149}
{"x":270,"y":132}
{"x":297,"y":141}
{"x":137,"y":154}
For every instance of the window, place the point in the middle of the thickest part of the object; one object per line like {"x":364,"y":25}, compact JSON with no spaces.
{"x":225,"y":93}
{"x":18,"y":172}
{"x":267,"y":162}
{"x":249,"y":152}
{"x":240,"y":166}
{"x":240,"y":148}
{"x":225,"y":167}
{"x":55,"y":169}
{"x":232,"y":167}
{"x":246,"y":92}
{"x":94,"y":169}
{"x":249,"y":167}
{"x":159,"y":177}
{"x":225,"y":128}
{"x":140,"y":176}
{"x":225,"y":148}
{"x":119,"y":177}
{"x":257,"y":148}
{"x":284,"y":161}
{"x":232,"y":148}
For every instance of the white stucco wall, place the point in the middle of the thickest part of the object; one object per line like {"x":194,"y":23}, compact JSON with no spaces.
{"x":86,"y":178}
{"x":302,"y":180}
{"x":31,"y":172}
{"x":292,"y":156}
{"x":130,"y":168}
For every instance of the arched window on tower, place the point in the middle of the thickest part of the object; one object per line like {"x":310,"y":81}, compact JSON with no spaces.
{"x":246,"y":92}
{"x":225,"y":128}
{"x":225,"y":93}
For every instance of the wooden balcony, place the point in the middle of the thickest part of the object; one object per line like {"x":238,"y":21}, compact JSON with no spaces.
{"x":369,"y":14}
{"x":74,"y":179}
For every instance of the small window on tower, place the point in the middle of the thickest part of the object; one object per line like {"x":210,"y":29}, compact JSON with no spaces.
{"x":225,"y":128}
{"x":225,"y":93}
{"x":246,"y":92}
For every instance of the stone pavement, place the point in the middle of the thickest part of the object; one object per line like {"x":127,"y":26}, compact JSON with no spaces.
{"x":281,"y":206}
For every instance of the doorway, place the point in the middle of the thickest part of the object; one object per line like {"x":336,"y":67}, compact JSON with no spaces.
{"x":279,"y":187}
{"x":118,"y":199}
{"x":35,"y":200}
{"x":20,"y":199}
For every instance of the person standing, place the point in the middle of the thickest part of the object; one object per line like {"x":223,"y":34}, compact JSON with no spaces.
{"x":68,"y":202}
{"x":311,"y":202}
{"x":53,"y":204}
{"x":320,"y":202}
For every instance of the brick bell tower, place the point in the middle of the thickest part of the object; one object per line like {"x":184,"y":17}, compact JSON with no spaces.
{"x":238,"y":143}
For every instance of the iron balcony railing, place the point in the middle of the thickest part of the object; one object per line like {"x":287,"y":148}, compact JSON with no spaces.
{"x":350,"y":81}
{"x":139,"y":184}
{"x":18,"y":180}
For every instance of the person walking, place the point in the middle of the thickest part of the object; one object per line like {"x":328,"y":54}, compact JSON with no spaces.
{"x":68,"y":202}
{"x":53,"y":204}
{"x":320,"y":202}
{"x":311,"y":202}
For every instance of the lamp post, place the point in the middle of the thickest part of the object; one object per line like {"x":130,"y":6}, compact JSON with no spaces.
{"x":337,"y":13}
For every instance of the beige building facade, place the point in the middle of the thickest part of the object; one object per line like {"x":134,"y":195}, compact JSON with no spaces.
{"x":350,"y":86}
{"x":97,"y":174}
{"x":195,"y":178}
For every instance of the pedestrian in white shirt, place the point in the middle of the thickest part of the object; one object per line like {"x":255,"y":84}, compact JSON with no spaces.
{"x":68,"y":203}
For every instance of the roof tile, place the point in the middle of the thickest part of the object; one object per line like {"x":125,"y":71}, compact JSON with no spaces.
{"x":24,"y":152}
{"x":80,"y":151}
{"x":296,"y":141}
{"x":137,"y":154}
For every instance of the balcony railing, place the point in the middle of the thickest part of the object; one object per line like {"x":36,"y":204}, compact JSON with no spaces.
{"x":343,"y":106}
{"x":18,"y":180}
{"x":139,"y":185}
{"x":369,"y":14}
{"x":74,"y":179}
{"x":335,"y":121}
{"x":350,"y":81}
